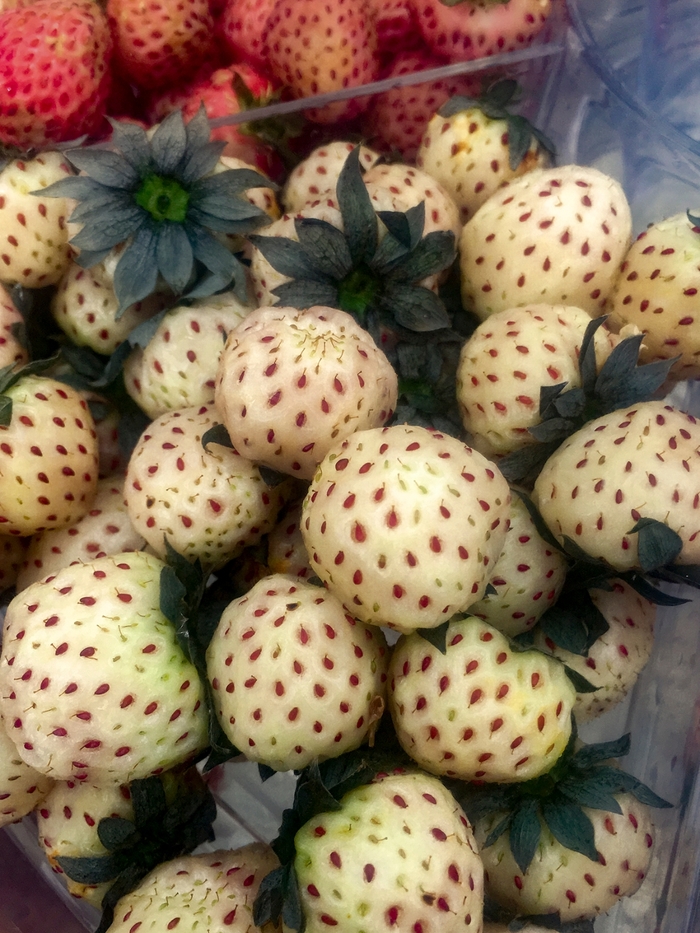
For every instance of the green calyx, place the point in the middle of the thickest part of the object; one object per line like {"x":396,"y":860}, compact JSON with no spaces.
{"x":584,"y":777}
{"x":163,"y":198}
{"x":620,"y":383}
{"x":358,"y":291}
{"x":374,"y":269}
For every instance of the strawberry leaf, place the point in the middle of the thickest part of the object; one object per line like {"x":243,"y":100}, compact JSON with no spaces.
{"x":305,"y":293}
{"x":148,"y":799}
{"x":592,"y":792}
{"x":326,"y":244}
{"x":570,"y":827}
{"x":436,"y":636}
{"x":602,"y":751}
{"x":524,"y":833}
{"x":415,"y":307}
{"x":115,"y":832}
{"x":359,"y":217}
{"x":278,"y":896}
{"x":96,"y":869}
{"x":580,"y":683}
{"x":217,"y":434}
{"x":658,"y":544}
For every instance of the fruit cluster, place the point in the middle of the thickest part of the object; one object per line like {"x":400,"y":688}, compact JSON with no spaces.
{"x":365,"y":474}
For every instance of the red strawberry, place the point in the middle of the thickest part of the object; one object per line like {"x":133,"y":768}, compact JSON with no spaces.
{"x":54,"y":58}
{"x":159,"y":43}
{"x":398,"y":118}
{"x":318,"y":46}
{"x":242,"y":28}
{"x":463,"y":30}
{"x":396,"y":25}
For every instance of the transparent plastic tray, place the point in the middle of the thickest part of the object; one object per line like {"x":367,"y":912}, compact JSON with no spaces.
{"x":582,"y":85}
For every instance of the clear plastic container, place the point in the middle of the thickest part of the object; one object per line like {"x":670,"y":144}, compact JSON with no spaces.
{"x":610,"y":89}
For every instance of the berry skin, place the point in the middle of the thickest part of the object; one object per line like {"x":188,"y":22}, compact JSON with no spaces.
{"x":508,"y":359}
{"x":528,"y":576}
{"x":209,"y":502}
{"x":11,"y":320}
{"x":48,"y":457}
{"x":630,"y":464}
{"x":616,"y":658}
{"x":553,"y":236}
{"x":292,"y":384}
{"x":104,"y":529}
{"x":242,"y":27}
{"x":481,"y":711}
{"x":177,"y":369}
{"x":22,"y":788}
{"x":657,"y":292}
{"x":469,"y":154}
{"x":409,"y":186}
{"x":214,"y":890}
{"x":479,"y":28}
{"x":67,"y":823}
{"x":561,"y":880}
{"x":157,"y":43}
{"x":286,"y":552}
{"x":34,"y":250}
{"x":294,"y":676}
{"x":54,"y":70}
{"x":315,"y":47}
{"x":398,"y":854}
{"x":93,"y":683}
{"x":404,"y":525}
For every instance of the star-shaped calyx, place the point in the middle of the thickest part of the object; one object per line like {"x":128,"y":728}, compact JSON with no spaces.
{"x":161,"y":196}
{"x":375,"y":269}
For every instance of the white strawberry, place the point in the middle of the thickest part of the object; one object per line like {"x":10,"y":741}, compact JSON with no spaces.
{"x":657,"y":291}
{"x":292,"y":384}
{"x":555,"y":236}
{"x":508,"y":359}
{"x":481,"y":711}
{"x":559,"y":880}
{"x":177,"y":368}
{"x":294,"y":676}
{"x":398,"y":854}
{"x":409,"y":186}
{"x":22,"y":788}
{"x":214,"y":890}
{"x":527,"y":577}
{"x":67,"y":822}
{"x":93,"y":683}
{"x":631,"y":464}
{"x":104,"y":529}
{"x":48,"y":457}
{"x":404,"y":525}
{"x":617,"y":657}
{"x":34,"y":250}
{"x":207,"y":502}
{"x":286,"y":551}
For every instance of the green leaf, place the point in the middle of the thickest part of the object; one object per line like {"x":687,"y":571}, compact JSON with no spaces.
{"x":457,"y":104}
{"x":210,"y":252}
{"x":265,"y":772}
{"x":104,"y":166}
{"x":78,"y":187}
{"x":218,"y":434}
{"x":405,"y":226}
{"x":644,"y":794}
{"x":109,"y":227}
{"x":114,"y":832}
{"x":581,"y":685}
{"x":136,"y":273}
{"x":5,"y":410}
{"x":570,"y":827}
{"x":148,"y":799}
{"x":498,"y":830}
{"x":524,"y":833}
{"x":415,"y":307}
{"x":132,"y":141}
{"x":169,"y":143}
{"x":174,"y":256}
{"x":201,"y":161}
{"x":278,"y":898}
{"x":565,"y":628}
{"x":288,"y":257}
{"x":587,"y":363}
{"x":305,"y":293}
{"x":436,"y":636}
{"x":658,"y":544}
{"x":434,"y":253}
{"x":602,"y":751}
{"x":591,"y":792}
{"x":172,"y":595}
{"x":651,"y":592}
{"x":325,"y":245}
{"x":359,"y":218}
{"x":520,"y":139}
{"x":96,"y":869}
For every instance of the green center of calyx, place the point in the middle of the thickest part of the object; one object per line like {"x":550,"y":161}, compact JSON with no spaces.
{"x":358,"y":291}
{"x":164,"y":198}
